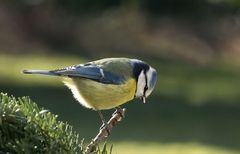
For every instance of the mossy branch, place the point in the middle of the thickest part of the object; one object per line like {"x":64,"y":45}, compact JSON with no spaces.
{"x":26,"y":128}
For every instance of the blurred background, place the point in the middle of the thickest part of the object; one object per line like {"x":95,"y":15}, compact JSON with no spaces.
{"x":194,"y":45}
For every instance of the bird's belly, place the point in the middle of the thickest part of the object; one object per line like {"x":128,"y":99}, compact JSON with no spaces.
{"x":99,"y":96}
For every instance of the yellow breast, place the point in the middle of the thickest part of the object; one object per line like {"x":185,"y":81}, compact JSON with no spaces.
{"x":98,"y":96}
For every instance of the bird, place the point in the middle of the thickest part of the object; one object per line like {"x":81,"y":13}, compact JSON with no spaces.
{"x":106,"y":83}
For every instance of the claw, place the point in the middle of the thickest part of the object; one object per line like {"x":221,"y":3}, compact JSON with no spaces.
{"x":120,"y":112}
{"x":105,"y":126}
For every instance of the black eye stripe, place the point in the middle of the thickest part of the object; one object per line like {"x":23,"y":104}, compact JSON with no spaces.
{"x":146,"y":86}
{"x":138,"y":67}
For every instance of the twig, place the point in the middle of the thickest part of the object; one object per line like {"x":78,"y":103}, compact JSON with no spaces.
{"x":104,"y":131}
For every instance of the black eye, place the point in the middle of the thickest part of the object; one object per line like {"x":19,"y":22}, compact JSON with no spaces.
{"x":146,"y":88}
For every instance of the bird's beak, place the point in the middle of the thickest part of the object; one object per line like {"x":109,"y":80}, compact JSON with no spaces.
{"x":143,"y":98}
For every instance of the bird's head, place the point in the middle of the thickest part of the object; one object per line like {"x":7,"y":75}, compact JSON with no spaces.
{"x":146,"y":77}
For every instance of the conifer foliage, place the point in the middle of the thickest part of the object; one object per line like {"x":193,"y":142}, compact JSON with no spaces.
{"x":26,"y":128}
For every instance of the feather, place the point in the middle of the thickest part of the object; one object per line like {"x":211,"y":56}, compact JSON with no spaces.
{"x":93,"y":72}
{"x":44,"y":72}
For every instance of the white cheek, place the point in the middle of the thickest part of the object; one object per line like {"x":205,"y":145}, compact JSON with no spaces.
{"x":140,"y":85}
{"x":148,"y":92}
{"x":149,"y":77}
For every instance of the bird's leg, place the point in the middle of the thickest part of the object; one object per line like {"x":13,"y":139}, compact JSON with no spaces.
{"x":105,"y":124}
{"x":106,"y":128}
{"x":102,"y":118}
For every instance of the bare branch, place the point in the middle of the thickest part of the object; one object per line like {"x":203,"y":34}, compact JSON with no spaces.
{"x":104,"y":131}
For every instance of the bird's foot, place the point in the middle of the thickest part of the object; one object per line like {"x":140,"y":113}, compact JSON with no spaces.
{"x":105,"y":126}
{"x":120,"y":112}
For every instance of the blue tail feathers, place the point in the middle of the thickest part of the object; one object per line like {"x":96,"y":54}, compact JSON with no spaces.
{"x":44,"y":72}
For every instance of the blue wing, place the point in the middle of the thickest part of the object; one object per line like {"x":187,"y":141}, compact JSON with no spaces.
{"x":90,"y":71}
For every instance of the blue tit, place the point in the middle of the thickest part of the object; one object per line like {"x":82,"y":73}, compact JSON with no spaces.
{"x":106,"y":83}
